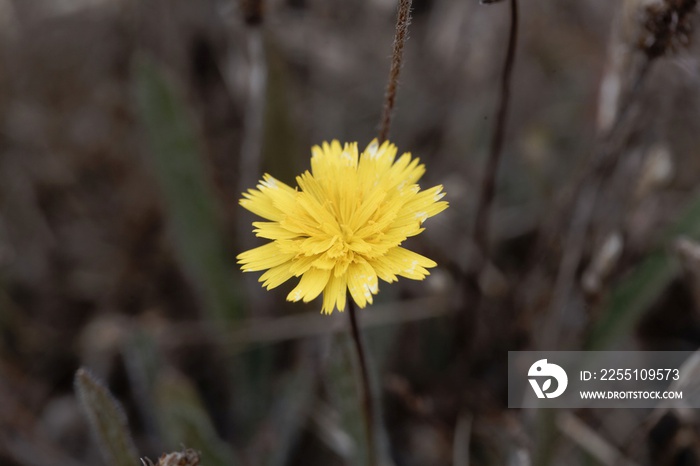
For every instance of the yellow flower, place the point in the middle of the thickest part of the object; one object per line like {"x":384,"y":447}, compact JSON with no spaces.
{"x":342,"y":228}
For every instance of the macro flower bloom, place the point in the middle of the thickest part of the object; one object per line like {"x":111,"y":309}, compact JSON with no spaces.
{"x":343,"y":227}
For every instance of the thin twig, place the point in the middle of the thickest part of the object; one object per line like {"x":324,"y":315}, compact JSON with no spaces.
{"x":488,"y":183}
{"x":403,"y":19}
{"x":367,"y":402}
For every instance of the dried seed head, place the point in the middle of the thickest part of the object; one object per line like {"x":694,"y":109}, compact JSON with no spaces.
{"x":186,"y":457}
{"x":667,"y":27}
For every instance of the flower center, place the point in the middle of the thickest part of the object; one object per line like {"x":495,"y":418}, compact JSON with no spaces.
{"x":340,"y":247}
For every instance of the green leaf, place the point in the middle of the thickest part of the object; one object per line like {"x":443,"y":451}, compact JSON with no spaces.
{"x":107,"y":420}
{"x":186,"y":189}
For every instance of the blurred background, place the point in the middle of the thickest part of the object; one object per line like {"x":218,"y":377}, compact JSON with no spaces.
{"x":128,"y":130}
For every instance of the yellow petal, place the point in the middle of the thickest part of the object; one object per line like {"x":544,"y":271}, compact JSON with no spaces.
{"x":334,"y":294}
{"x":261,"y":204}
{"x":273,"y":230}
{"x":318,"y":244}
{"x":362,"y":282}
{"x":263,"y":257}
{"x":301,"y":264}
{"x":405,"y":263}
{"x":276,"y":276}
{"x":311,"y":285}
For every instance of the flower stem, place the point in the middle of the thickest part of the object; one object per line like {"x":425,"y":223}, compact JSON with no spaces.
{"x":403,"y":19}
{"x":367,"y":404}
{"x":488,"y":183}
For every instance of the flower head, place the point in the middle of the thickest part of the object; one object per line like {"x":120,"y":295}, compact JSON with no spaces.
{"x":343,"y":227}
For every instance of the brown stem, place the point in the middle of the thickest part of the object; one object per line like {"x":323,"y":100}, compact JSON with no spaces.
{"x":403,"y":19}
{"x":367,"y":405}
{"x":488,"y":184}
